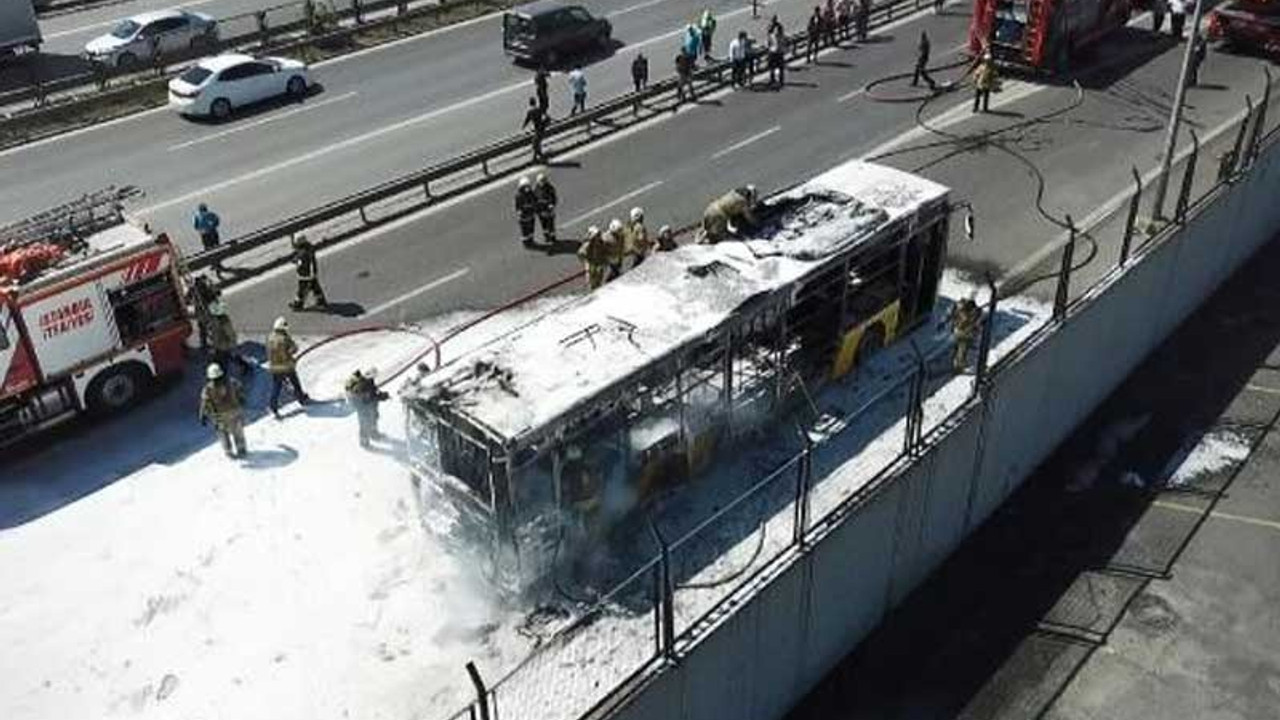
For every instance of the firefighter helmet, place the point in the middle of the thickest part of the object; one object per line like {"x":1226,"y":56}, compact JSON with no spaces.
{"x":524,"y":181}
{"x":542,"y":178}
{"x":615,"y":225}
{"x":593,"y":231}
{"x":280,"y":324}
{"x":637,"y":214}
{"x":213,"y":372}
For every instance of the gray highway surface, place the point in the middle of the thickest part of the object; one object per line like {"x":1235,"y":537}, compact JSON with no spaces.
{"x":66,"y":33}
{"x":465,"y":253}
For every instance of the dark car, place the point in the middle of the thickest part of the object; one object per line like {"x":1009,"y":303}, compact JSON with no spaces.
{"x":1247,"y":25}
{"x":547,"y":31}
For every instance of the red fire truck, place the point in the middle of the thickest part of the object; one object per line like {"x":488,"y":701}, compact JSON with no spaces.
{"x":1043,"y":35}
{"x":91,"y":314}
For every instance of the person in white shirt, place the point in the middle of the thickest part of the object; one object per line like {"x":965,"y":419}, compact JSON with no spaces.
{"x":738,"y":59}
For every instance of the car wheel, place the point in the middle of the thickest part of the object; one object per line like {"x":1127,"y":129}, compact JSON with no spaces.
{"x":126,"y":60}
{"x":117,"y":388}
{"x":296,"y":87}
{"x":220,"y":108}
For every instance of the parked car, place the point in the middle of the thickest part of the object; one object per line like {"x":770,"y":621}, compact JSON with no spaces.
{"x":217,"y":86}
{"x":165,"y":31}
{"x":545,"y":32}
{"x":1248,"y":25}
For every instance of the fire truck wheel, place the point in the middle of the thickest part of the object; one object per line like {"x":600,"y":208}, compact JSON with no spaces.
{"x":117,"y":388}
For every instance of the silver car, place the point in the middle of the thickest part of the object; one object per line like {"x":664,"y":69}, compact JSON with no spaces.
{"x":141,"y":36}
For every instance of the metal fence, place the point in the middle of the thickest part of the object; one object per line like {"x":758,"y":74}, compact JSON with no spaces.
{"x":675,"y":597}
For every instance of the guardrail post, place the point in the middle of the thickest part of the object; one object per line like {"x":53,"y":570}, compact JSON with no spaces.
{"x":1132,"y":217}
{"x":264,"y":30}
{"x":666,"y":595}
{"x":988,"y":331}
{"x":1188,"y":176}
{"x":800,"y":516}
{"x":1259,"y":123}
{"x":1064,"y":274}
{"x":915,"y":403}
{"x":482,"y":695}
{"x":1227,"y":166}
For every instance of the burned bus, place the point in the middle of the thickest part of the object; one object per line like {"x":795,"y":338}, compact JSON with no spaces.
{"x":570,"y":422}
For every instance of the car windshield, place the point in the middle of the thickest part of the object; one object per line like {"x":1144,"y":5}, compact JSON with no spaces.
{"x":125,"y":29}
{"x":195,"y":75}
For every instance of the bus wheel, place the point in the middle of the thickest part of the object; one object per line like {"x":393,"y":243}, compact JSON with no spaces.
{"x":871,"y":343}
{"x":117,"y":388}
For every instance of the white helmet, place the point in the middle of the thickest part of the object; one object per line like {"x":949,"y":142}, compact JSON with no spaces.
{"x":280,"y":324}
{"x":637,"y":214}
{"x":615,"y":225}
{"x":593,"y":231}
{"x":524,"y":181}
{"x":213,"y":372}
{"x":751,"y":193}
{"x":664,"y":230}
{"x":217,"y":308}
{"x":542,"y":178}
{"x":371,"y":372}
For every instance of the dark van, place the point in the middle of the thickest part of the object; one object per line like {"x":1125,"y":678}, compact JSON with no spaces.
{"x":545,"y":32}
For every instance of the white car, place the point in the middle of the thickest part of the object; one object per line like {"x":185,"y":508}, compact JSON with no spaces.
{"x":165,"y":31}
{"x":218,"y":85}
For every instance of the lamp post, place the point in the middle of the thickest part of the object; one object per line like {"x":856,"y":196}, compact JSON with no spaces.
{"x":1175,"y":116}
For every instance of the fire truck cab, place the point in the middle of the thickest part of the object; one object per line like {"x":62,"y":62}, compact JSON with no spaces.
{"x":91,"y":315}
{"x":1042,"y":35}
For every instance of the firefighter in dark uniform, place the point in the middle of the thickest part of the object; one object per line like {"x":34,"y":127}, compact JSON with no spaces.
{"x":545,"y":193}
{"x":728,"y":214}
{"x":201,"y":295}
{"x":306,"y":267}
{"x":224,"y":341}
{"x":922,"y":63}
{"x":965,"y":317}
{"x":222,"y":401}
{"x":526,"y":210}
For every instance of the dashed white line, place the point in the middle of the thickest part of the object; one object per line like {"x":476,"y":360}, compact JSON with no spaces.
{"x":264,"y":121}
{"x":743,"y":143}
{"x":616,"y":201}
{"x":633,"y":8}
{"x":417,"y":291}
{"x":851,"y":95}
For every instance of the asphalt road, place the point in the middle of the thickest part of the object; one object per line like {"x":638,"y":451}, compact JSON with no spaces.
{"x":66,"y":34}
{"x":465,"y":254}
{"x":383,"y":112}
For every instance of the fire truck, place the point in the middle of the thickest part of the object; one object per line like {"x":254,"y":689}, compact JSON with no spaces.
{"x":91,"y":313}
{"x":1043,"y":35}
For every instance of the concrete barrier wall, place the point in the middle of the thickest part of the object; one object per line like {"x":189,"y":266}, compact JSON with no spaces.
{"x":785,"y":635}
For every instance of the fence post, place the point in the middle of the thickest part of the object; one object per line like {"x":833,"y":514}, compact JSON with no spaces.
{"x":916,"y":424}
{"x":666,"y":595}
{"x":800,"y":521}
{"x":988,"y":330}
{"x":1132,"y":217}
{"x":1227,"y":168}
{"x":482,"y":695}
{"x":1064,"y":275}
{"x":1259,"y":122}
{"x":1188,"y":176}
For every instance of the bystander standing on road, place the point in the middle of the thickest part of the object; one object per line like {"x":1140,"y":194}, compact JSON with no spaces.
{"x":922,"y":63}
{"x":706,"y":31}
{"x":1177,"y":17}
{"x":844,"y":18}
{"x":684,"y":79}
{"x":863,"y":19}
{"x":937,"y":6}
{"x":640,"y":72}
{"x":1157,"y":15}
{"x":814,"y":35}
{"x":536,"y":117}
{"x":1199,"y":49}
{"x":692,"y":42}
{"x":540,"y":89}
{"x":777,"y":51}
{"x":206,"y":223}
{"x":829,"y":23}
{"x":738,"y":59}
{"x":578,"y":89}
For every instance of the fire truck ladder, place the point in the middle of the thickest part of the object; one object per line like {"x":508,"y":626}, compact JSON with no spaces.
{"x":68,"y":224}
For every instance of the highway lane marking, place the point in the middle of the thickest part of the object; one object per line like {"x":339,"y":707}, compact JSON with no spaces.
{"x":633,"y":8}
{"x":1015,"y":90}
{"x":743,"y":143}
{"x":1109,"y":206}
{"x":615,"y":202}
{"x":418,"y":215}
{"x":108,"y":23}
{"x":853,"y":94}
{"x":376,"y":309}
{"x":333,"y":147}
{"x":263,"y":121}
{"x":1218,"y":514}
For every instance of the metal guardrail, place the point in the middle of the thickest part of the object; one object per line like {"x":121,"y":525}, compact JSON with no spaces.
{"x":261,"y":34}
{"x":610,"y":117}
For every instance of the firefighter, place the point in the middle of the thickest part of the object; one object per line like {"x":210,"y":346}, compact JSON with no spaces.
{"x":639,"y":244}
{"x":594,"y":256}
{"x":965,"y":317}
{"x":545,"y":194}
{"x":222,"y":401}
{"x":1199,"y":48}
{"x":862,"y":20}
{"x":666,"y":239}
{"x":922,"y":63}
{"x":540,"y":89}
{"x":200,"y":296}
{"x":526,"y":210}
{"x":814,"y":33}
{"x":306,"y":267}
{"x":1157,"y":15}
{"x":729,"y":215}
{"x":615,"y":243}
{"x":223,"y":340}
{"x":282,"y":361}
{"x":363,"y":395}
{"x":984,"y":81}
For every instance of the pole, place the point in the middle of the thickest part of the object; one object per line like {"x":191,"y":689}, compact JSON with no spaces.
{"x":1175,"y":116}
